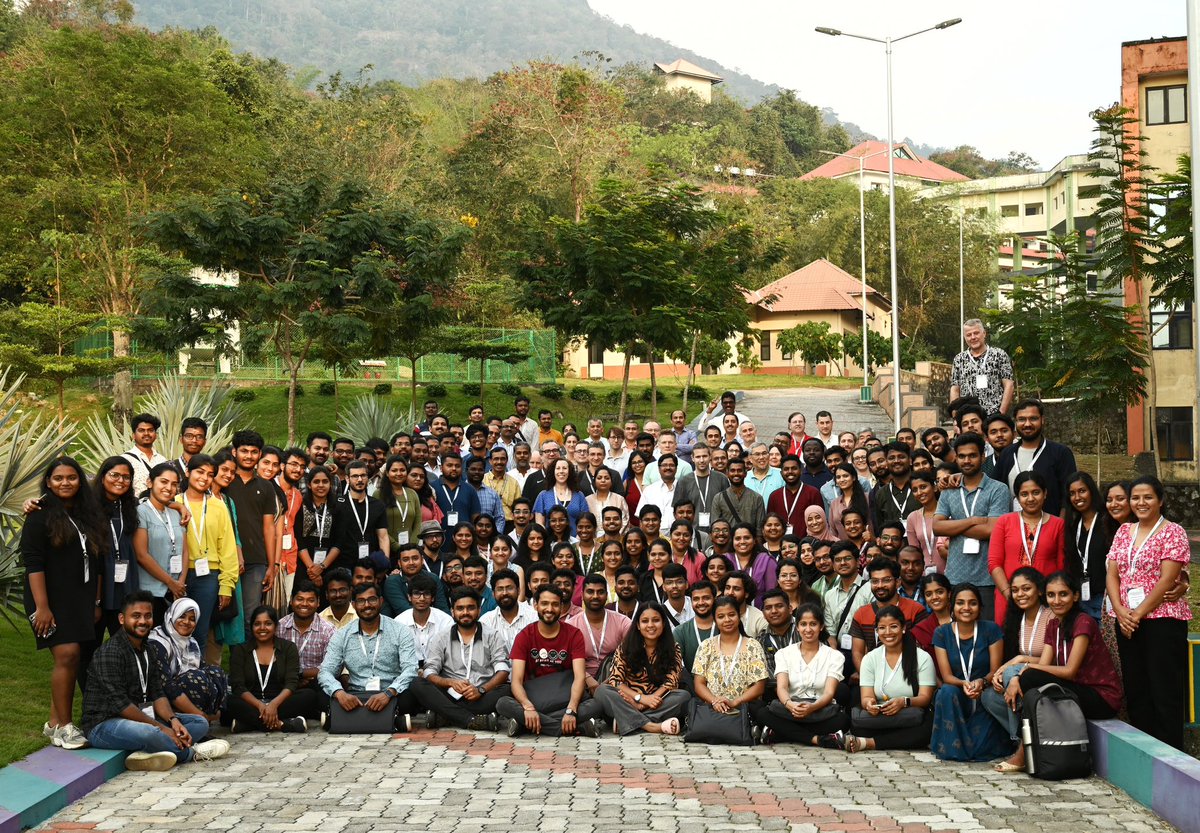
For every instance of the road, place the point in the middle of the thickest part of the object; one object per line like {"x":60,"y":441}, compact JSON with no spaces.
{"x":769,"y":410}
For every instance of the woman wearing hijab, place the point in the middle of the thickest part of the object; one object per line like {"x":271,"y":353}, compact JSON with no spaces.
{"x":815,"y":525}
{"x":190,"y":685}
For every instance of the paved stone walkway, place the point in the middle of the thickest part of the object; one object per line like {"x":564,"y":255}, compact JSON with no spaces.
{"x":769,"y":410}
{"x":468,"y":783}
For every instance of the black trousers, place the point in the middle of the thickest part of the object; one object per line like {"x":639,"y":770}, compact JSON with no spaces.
{"x":302,"y":703}
{"x":789,"y":729}
{"x":455,"y":712}
{"x":508,"y":707}
{"x":912,"y":737}
{"x":1154,"y":667}
{"x":1091,"y":703}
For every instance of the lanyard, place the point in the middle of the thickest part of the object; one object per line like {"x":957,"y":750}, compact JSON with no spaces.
{"x":87,"y":567}
{"x":962,"y":495}
{"x":1027,"y":647}
{"x":981,"y":361}
{"x":1033,"y":462}
{"x":162,"y":516}
{"x":402,"y":508}
{"x":262,"y":679}
{"x":363,"y":646}
{"x":1030,"y":553}
{"x":966,"y":666}
{"x":900,"y":504}
{"x":726,"y":676}
{"x":696,"y":630}
{"x":322,"y":520}
{"x":1087,"y":545}
{"x":775,"y":640}
{"x":291,"y":511}
{"x":362,"y":525}
{"x":449,"y":497}
{"x":1135,"y":557}
{"x":788,"y":510}
{"x":117,"y":535}
{"x":198,"y":529}
{"x":703,"y":494}
{"x":591,"y":634}
{"x":467,"y":656}
{"x":927,"y":535}
{"x":142,"y":675}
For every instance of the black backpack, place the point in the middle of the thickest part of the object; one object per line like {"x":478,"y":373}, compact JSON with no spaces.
{"x":1055,"y":734}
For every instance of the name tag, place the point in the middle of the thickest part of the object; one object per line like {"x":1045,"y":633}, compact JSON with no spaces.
{"x":148,"y":710}
{"x":847,"y":642}
{"x":788,"y":529}
{"x":120,"y":571}
{"x":402,"y":537}
{"x":364,"y":550}
{"x":454,"y":695}
{"x":319,"y":556}
{"x":176,"y":565}
{"x":287,"y":541}
{"x":373,"y":684}
{"x":201,"y":567}
{"x":1136,"y":596}
{"x":981,"y":381}
{"x":703,"y":519}
{"x":1085,"y":590}
{"x":970,"y":546}
{"x":451,"y":518}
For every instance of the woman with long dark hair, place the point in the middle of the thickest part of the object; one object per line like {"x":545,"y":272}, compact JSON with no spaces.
{"x":635,"y":481}
{"x":807,"y":674}
{"x":401,"y":504}
{"x":936,"y":590}
{"x":1030,"y":537}
{"x":919,"y":524}
{"x":316,"y":524}
{"x":417,"y":479}
{"x":850,"y":495}
{"x":533,"y":548}
{"x":114,"y":494}
{"x":1024,"y":637}
{"x":264,"y":676}
{"x":642,"y":692}
{"x":560,"y":490}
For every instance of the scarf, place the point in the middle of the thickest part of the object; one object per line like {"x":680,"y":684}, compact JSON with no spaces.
{"x":183,"y":652}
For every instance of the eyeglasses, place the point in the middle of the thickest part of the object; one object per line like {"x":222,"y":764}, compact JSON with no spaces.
{"x":420,"y":593}
{"x":122,"y":478}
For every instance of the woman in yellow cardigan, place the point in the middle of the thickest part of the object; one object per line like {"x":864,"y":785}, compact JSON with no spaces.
{"x":212,"y":553}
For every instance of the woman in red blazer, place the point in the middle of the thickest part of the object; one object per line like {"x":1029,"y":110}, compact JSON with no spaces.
{"x":1029,"y":538}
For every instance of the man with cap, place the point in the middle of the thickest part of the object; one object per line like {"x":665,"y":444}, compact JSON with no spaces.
{"x":431,"y":538}
{"x":396,"y":597}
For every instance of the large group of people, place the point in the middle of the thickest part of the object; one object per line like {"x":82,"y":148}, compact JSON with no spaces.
{"x":838,"y":590}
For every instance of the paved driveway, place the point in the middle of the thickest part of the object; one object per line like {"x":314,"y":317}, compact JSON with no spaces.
{"x":769,"y":410}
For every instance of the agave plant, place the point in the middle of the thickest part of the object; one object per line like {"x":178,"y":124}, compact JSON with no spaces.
{"x":172,"y":400}
{"x":374,"y":416}
{"x":27,"y":445}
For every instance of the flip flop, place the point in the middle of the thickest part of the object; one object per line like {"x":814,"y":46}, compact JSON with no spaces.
{"x":671,"y":727}
{"x":851,"y":744}
{"x":1007,"y":767}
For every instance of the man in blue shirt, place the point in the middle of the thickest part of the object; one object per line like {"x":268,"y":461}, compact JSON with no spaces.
{"x":458,"y":502}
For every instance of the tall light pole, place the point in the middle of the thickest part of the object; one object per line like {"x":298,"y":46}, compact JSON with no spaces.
{"x":887,"y":47}
{"x":962,"y":299}
{"x":864,"y":393}
{"x":1193,"y":93}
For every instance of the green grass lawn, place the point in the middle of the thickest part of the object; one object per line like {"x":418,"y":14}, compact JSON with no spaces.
{"x":25,"y":695}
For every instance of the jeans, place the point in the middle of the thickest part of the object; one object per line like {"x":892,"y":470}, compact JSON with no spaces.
{"x":1094,"y":607}
{"x":134,"y":736}
{"x":204,"y":592}
{"x":252,"y":591}
{"x":993,"y":702}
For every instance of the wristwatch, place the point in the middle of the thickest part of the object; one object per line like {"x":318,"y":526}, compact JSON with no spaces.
{"x":479,"y":688}
{"x":569,"y":712}
{"x":637,"y":698}
{"x":390,"y":692}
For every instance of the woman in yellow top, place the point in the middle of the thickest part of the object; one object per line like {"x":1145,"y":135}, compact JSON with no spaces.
{"x":212,"y":555}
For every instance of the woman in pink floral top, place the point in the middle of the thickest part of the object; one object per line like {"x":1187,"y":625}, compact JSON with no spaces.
{"x":1143,"y":564}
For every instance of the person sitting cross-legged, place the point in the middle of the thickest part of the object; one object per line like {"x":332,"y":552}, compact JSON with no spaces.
{"x":643,"y":691}
{"x":807,"y":674}
{"x":466,"y":669}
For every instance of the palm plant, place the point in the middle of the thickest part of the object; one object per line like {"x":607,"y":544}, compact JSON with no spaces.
{"x":374,"y":416}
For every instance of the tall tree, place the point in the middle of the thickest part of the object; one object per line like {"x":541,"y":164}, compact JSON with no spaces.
{"x":812,"y":342}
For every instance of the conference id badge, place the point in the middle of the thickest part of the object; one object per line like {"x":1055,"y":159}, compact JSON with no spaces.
{"x":364,"y":550}
{"x":201,"y":567}
{"x":373,"y":684}
{"x":451,"y":518}
{"x":402,"y":537}
{"x":176,"y":565}
{"x":1136,"y":596}
{"x":788,"y":530}
{"x":453,"y":694}
{"x":319,"y":556}
{"x":970,"y":546}
{"x":847,"y":642}
{"x":1085,"y":591}
{"x":703,"y":519}
{"x":287,"y":541}
{"x":120,"y":571}
{"x":981,"y":381}
{"x":148,"y":710}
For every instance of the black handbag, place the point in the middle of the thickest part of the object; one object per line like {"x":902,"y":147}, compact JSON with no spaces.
{"x":907,"y":718}
{"x":550,"y":692}
{"x":704,"y":725}
{"x":362,"y":721}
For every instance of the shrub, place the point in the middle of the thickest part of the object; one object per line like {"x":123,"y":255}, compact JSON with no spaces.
{"x":299,"y":390}
{"x":382,"y":389}
{"x":509,"y":389}
{"x":470,"y":389}
{"x":613,"y":397}
{"x":649,"y":394}
{"x":582,"y":395}
{"x":243,"y":394}
{"x":552,"y":392}
{"x":327,"y":389}
{"x":435,"y":390}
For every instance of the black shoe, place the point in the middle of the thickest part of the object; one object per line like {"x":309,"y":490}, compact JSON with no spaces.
{"x":482,"y":723}
{"x":512,"y":727}
{"x":433,"y":720}
{"x":589,"y":728}
{"x":295,"y":724}
{"x":834,"y":740}
{"x":403,"y":723}
{"x":766,"y":736}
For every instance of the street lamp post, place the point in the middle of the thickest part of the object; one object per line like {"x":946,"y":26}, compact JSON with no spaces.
{"x":887,"y":47}
{"x":864,"y":393}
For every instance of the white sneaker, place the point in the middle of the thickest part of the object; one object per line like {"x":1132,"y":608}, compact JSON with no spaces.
{"x":150,"y":761}
{"x":69,"y":737}
{"x":210,"y":750}
{"x":48,"y":732}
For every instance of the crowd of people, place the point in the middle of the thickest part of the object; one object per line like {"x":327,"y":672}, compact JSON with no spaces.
{"x":834,"y":589}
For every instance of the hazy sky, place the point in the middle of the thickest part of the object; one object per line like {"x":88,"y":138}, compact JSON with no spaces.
{"x":1019,"y":75}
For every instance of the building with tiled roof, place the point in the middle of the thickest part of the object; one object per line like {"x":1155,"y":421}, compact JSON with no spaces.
{"x":686,"y":76}
{"x":912,"y":171}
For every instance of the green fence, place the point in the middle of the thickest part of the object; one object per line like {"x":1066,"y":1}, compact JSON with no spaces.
{"x":540,"y":367}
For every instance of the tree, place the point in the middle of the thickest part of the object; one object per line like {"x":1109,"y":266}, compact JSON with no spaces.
{"x":812,"y":342}
{"x":317,"y":263}
{"x":1173,"y":266}
{"x":103,"y":126}
{"x":39,"y":341}
{"x":879,"y":349}
{"x":478,"y":343}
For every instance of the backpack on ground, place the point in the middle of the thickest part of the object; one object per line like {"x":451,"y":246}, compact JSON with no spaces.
{"x":1055,"y":734}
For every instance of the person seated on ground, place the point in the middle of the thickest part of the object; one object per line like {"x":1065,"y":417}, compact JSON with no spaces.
{"x":1024,"y":637}
{"x":602,"y":629}
{"x":741,"y":588}
{"x":676,"y":604}
{"x":466,"y":669}
{"x":700,"y":627}
{"x":423,"y":620}
{"x":340,"y":612}
{"x":190,"y":685}
{"x":1074,"y":656}
{"x":968,"y":650}
{"x":310,"y":634}
{"x":780,"y":631}
{"x":807,"y":673}
{"x":125,"y":705}
{"x":730,"y":669}
{"x":265,"y":681}
{"x":510,"y":616}
{"x":897,"y":685}
{"x":549,"y":677}
{"x":643,"y":692}
{"x":380,"y":658}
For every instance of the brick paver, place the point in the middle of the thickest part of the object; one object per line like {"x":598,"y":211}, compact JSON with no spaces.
{"x":472,"y":783}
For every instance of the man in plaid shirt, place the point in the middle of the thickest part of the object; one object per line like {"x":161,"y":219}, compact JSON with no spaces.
{"x":310,"y":634}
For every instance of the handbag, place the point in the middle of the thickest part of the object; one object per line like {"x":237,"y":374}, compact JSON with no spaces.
{"x":362,"y":721}
{"x":821,"y":714}
{"x":550,"y":692}
{"x":705,"y":725}
{"x":907,"y":718}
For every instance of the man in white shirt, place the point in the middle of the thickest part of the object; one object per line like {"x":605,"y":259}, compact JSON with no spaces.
{"x":142,"y":457}
{"x":715,"y":412}
{"x":825,"y":431}
{"x":509,"y":617}
{"x":423,"y":619}
{"x":662,"y":492}
{"x":617,"y":457}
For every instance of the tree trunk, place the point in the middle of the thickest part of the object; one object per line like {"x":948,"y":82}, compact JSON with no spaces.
{"x":122,"y":407}
{"x":691,"y":377}
{"x":653,"y":383}
{"x":62,"y":408}
{"x":412,"y":384}
{"x":625,"y":384}
{"x":293,"y":374}
{"x":337,"y":396}
{"x":1099,"y":423}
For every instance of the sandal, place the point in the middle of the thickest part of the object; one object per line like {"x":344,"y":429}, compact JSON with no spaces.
{"x":851,"y":744}
{"x":1008,"y":767}
{"x":670,"y":727}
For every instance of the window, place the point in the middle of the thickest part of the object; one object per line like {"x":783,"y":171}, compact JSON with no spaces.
{"x":1033,"y":209}
{"x":1166,"y":105}
{"x":1172,"y":329}
{"x":1174,"y":429}
{"x":1093,"y":283}
{"x":978,"y":212}
{"x":1089,"y":192}
{"x":764,"y":347}
{"x":595,"y":353}
{"x":1009,"y":210}
{"x":787,"y":357}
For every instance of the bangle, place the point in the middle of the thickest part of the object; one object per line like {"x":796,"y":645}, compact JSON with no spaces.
{"x":906,"y":702}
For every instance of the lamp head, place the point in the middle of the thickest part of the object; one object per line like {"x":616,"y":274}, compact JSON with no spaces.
{"x":946,"y":24}
{"x":825,"y":30}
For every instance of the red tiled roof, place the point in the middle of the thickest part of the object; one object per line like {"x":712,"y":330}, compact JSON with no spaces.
{"x":915,"y":168}
{"x":682,"y":67}
{"x":819,"y":286}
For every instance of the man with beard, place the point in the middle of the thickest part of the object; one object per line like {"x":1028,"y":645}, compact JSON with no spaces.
{"x":815,"y":473}
{"x":741,"y":588}
{"x":690,"y":634}
{"x":701,"y":488}
{"x":661,"y":493}
{"x":884,"y":575}
{"x":549,"y":647}
{"x":254,"y":500}
{"x":891,"y":539}
{"x":288,"y":480}
{"x":739,"y":503}
{"x":310,"y":634}
{"x":893,"y":500}
{"x":466,"y":669}
{"x":937,"y":443}
{"x":781,"y":629}
{"x":361,"y":522}
{"x":602,"y":629}
{"x":458,"y":503}
{"x":843,"y":599}
{"x":877,"y":463}
{"x":794,"y":497}
{"x":535,"y":482}
{"x":1035,"y":452}
{"x":510,"y":616}
{"x":912,"y":567}
{"x":125,"y":707}
{"x":343,"y":453}
{"x":628,"y":592}
{"x":490,"y":502}
{"x":1000,"y":431}
{"x":396,"y":588}
{"x":610,"y":525}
